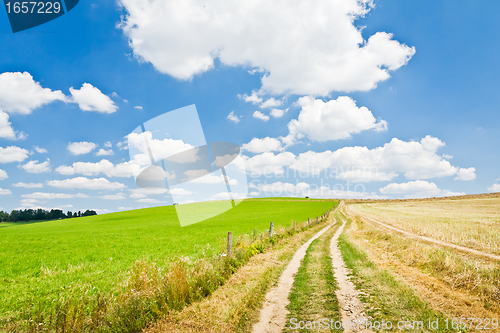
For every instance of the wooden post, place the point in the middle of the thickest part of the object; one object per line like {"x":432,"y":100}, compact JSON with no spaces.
{"x":271,"y":229}
{"x":229,"y":243}
{"x":293,"y":224}
{"x":308,"y":221}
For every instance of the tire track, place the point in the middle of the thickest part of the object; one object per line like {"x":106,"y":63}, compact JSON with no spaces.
{"x":351,"y":308}
{"x":429,"y":239}
{"x":272,"y":317}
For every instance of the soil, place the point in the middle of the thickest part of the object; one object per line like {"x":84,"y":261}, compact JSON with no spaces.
{"x":273,"y":315}
{"x":351,"y":308}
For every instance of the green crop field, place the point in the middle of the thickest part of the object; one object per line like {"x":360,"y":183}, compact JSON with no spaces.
{"x":45,"y":260}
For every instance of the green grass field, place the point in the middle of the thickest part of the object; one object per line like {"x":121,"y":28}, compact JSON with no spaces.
{"x":58,"y":256}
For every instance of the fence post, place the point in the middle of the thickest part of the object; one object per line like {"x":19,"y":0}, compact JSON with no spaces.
{"x":308,"y":221}
{"x":229,"y":243}
{"x":271,"y":229}
{"x":293,"y":224}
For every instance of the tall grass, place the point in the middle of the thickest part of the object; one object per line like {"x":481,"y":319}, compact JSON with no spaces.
{"x":387,"y":298}
{"x":476,"y":276}
{"x":473,"y":223}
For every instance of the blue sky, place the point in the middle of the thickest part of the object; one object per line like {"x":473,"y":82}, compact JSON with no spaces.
{"x":412,"y":114}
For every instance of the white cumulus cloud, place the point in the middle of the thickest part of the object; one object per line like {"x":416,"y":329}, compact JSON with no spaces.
{"x":262,"y":145}
{"x":268,"y":163}
{"x":260,"y":115}
{"x":80,"y":148}
{"x":3,"y":174}
{"x":86,"y":183}
{"x":35,"y":167}
{"x":234,"y":118}
{"x":5,"y":191}
{"x":90,"y":98}
{"x":417,"y":189}
{"x":28,"y":185}
{"x":333,"y":120}
{"x":13,"y":154}
{"x":494,"y":188}
{"x":301,"y":47}
{"x":278,"y":113}
{"x":105,"y":152}
{"x":466,"y":174}
{"x":42,"y":195}
{"x":6,"y":130}
{"x":416,"y":160}
{"x":19,"y":93}
{"x":40,"y":150}
{"x":93,"y":169}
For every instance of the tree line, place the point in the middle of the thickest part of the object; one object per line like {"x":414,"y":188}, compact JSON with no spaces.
{"x":41,"y":214}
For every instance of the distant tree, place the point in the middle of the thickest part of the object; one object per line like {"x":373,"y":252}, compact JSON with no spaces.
{"x":69,"y":214}
{"x":40,"y":214}
{"x":75,"y":214}
{"x":14,"y":216}
{"x":57,"y":214}
{"x":79,"y":214}
{"x":4,"y":216}
{"x":89,"y":213}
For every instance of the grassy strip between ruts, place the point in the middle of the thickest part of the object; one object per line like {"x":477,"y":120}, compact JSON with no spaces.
{"x":387,"y":300}
{"x":235,"y":305}
{"x":313,"y":303}
{"x":150,"y":292}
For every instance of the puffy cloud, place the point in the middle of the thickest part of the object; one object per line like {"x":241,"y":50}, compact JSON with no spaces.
{"x":40,"y":150}
{"x":35,"y":167}
{"x":312,"y":190}
{"x":28,"y":185}
{"x":180,"y":191}
{"x":80,"y":148}
{"x":302,"y":47}
{"x":19,"y":93}
{"x":3,"y":174}
{"x":13,"y":154}
{"x":165,"y":148}
{"x":262,"y":145}
{"x":271,"y":103}
{"x":86,"y":183}
{"x":213,"y":179}
{"x":466,"y":174}
{"x":118,"y":196}
{"x":260,"y":115}
{"x":138,"y":107}
{"x":90,"y":98}
{"x":5,"y":191}
{"x":147,"y":191}
{"x":278,"y":113}
{"x":108,"y":144}
{"x":93,"y":169}
{"x":234,"y":118}
{"x":104,"y":152}
{"x":333,"y":120}
{"x":268,"y":163}
{"x":417,"y":189}
{"x":41,"y":195}
{"x":417,"y":160}
{"x":137,"y":196}
{"x":6,"y":130}
{"x":494,"y":188}
{"x":148,"y":200}
{"x":253,"y":98}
